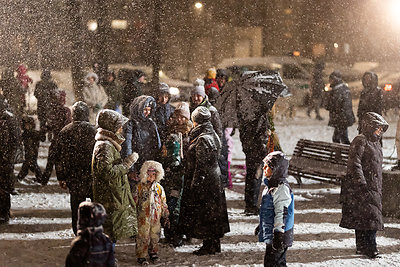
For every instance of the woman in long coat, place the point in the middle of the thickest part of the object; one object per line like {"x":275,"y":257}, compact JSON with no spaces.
{"x":110,"y":181}
{"x":204,"y":214}
{"x":361,"y":192}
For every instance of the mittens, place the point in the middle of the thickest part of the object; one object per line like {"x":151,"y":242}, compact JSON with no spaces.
{"x":130,"y":160}
{"x":277,"y":241}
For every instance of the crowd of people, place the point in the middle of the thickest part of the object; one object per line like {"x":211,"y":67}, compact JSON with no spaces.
{"x":148,"y":164}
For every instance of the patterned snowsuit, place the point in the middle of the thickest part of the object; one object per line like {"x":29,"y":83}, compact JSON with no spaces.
{"x":151,"y":206}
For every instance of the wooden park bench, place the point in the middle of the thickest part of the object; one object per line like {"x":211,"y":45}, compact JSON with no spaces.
{"x":317,"y":160}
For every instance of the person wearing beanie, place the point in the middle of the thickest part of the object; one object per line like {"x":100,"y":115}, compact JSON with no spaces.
{"x":221,"y":78}
{"x":203,"y":212}
{"x":110,"y":180}
{"x":163,"y":109}
{"x":276,"y":211}
{"x":151,"y":209}
{"x":361,"y":188}
{"x":339,"y":105}
{"x":199,"y":98}
{"x":91,"y":247}
{"x":210,"y":80}
{"x":173,"y":155}
{"x":73,"y":158}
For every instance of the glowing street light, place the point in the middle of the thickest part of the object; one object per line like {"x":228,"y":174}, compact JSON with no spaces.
{"x":92,"y":25}
{"x":336,"y":45}
{"x":198,"y":5}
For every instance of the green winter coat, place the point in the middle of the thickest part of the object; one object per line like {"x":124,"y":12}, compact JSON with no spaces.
{"x":111,"y":187}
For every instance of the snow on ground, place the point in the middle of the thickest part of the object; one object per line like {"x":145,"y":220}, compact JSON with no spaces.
{"x":36,"y":220}
{"x":62,"y":234}
{"x":55,"y":201}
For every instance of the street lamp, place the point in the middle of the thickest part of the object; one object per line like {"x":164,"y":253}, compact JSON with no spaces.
{"x":198,"y":5}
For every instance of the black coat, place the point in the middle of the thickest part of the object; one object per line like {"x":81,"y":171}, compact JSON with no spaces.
{"x":204,"y":214}
{"x":371,"y":100}
{"x":45,"y":90}
{"x":74,"y":149}
{"x":340,"y":107}
{"x":317,"y":82}
{"x":215,"y":118}
{"x":9,"y":140}
{"x":361,"y":189}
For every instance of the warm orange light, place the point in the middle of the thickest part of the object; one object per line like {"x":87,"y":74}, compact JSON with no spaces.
{"x":388,"y":87}
{"x":296,"y":53}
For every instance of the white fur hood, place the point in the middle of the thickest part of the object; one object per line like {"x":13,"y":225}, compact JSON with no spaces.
{"x":151,"y":164}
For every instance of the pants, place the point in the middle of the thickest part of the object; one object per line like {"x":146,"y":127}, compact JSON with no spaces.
{"x":341,"y":135}
{"x":147,"y":238}
{"x":172,"y":232}
{"x":75,"y":200}
{"x":5,"y":205}
{"x":253,"y":182}
{"x":51,"y":160}
{"x":30,"y":164}
{"x":273,"y":258}
{"x":366,"y":240}
{"x":315,"y":103}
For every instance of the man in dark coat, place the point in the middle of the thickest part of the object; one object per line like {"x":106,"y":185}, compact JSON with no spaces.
{"x":361,"y":191}
{"x":74,"y":148}
{"x":317,"y":87}
{"x":371,"y":98}
{"x":132,"y":88}
{"x":163,"y":110}
{"x":340,"y":108}
{"x":45,"y":90}
{"x":204,"y":214}
{"x":199,"y":98}
{"x":9,"y":139}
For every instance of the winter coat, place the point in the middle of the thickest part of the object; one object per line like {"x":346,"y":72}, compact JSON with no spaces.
{"x":94,"y":94}
{"x":9,"y":140}
{"x":215,"y":119}
{"x":44,"y":93}
{"x":58,"y":117}
{"x":277,"y":206}
{"x":371,"y":98}
{"x":141,"y":134}
{"x":210,"y":83}
{"x":114,"y":94}
{"x":111,"y":186}
{"x":161,"y":116}
{"x":340,"y":107}
{"x":203,"y":211}
{"x":14,"y":93}
{"x":91,"y":248}
{"x":361,"y":189}
{"x":74,"y":156}
{"x":23,"y":78}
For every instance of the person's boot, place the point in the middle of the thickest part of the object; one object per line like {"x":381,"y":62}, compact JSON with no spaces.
{"x":217,"y":245}
{"x":396,"y":167}
{"x":206,"y":249}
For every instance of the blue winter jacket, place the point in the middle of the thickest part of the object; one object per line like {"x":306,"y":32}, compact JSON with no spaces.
{"x":277,"y":206}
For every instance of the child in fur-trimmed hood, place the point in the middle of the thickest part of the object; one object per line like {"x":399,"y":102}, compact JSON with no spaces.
{"x":151,"y":207}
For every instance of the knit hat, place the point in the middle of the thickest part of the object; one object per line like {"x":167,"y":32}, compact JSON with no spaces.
{"x":163,"y":88}
{"x":201,"y":114}
{"x":110,"y":120}
{"x":183,"y":109}
{"x":90,"y":214}
{"x":199,"y":88}
{"x":336,"y":76}
{"x":211,"y":73}
{"x":80,"y":111}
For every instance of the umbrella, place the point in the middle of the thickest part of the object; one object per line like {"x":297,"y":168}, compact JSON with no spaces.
{"x":251,"y":96}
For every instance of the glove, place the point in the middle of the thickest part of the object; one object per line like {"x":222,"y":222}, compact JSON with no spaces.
{"x":277,"y":241}
{"x":130,"y":160}
{"x":257,"y":230}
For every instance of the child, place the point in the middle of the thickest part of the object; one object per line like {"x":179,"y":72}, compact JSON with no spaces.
{"x":151,"y":207}
{"x":276,"y":211}
{"x":31,"y":139}
{"x":91,"y":247}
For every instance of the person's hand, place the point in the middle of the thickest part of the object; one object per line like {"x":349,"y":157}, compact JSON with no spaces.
{"x":130,"y":160}
{"x":63,"y":184}
{"x":257,"y":230}
{"x":277,"y":241}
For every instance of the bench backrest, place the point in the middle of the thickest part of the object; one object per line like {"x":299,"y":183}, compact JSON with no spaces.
{"x":322,"y":151}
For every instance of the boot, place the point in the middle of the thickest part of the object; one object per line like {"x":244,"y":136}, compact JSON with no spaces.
{"x":206,"y":249}
{"x":396,"y":167}
{"x":217,"y":245}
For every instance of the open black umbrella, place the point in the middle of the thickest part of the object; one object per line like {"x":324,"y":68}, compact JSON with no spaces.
{"x":251,"y":96}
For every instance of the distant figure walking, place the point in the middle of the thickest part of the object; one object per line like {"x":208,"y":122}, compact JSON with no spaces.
{"x":317,"y":88}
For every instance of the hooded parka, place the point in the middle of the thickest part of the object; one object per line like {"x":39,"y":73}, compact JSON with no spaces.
{"x":361,"y":189}
{"x":110,"y":181}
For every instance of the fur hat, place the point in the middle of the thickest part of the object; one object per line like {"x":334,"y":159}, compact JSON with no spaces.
{"x":110,"y":120}
{"x":201,"y":114}
{"x":183,"y":109}
{"x":150,"y":164}
{"x":199,"y":88}
{"x":91,"y":75}
{"x":211,"y":73}
{"x":91,"y":214}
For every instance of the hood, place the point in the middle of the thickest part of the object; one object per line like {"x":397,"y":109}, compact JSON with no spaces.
{"x":137,"y":106}
{"x":91,"y":74}
{"x":90,"y":214}
{"x":46,"y":75}
{"x":373,"y":121}
{"x":279,"y":164}
{"x":151,"y":164}
{"x":110,"y":120}
{"x":370,"y":80}
{"x":80,"y":111}
{"x":335,"y":78}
